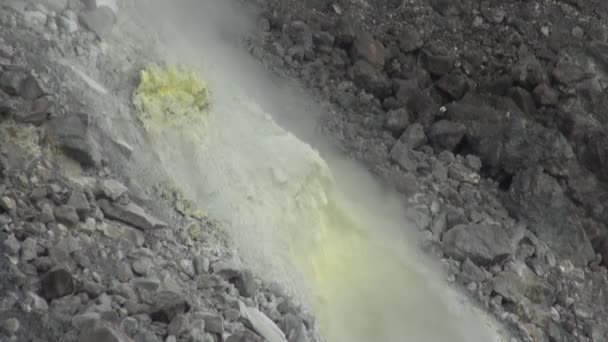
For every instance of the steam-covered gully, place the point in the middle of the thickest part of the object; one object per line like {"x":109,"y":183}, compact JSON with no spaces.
{"x":159,"y":184}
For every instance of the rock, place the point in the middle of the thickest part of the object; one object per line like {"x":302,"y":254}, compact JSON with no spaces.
{"x":294,"y":328}
{"x":522,"y":284}
{"x":439,"y":224}
{"x":483,"y":244}
{"x":66,"y":214}
{"x":131,"y":214}
{"x":544,"y":95}
{"x":201,"y":264}
{"x":366,"y":77}
{"x":567,"y":73}
{"x":147,"y":284}
{"x":446,"y":134}
{"x":99,"y":20}
{"x":471,"y":273}
{"x":30,"y":89}
{"x":437,"y":65}
{"x":167,"y":305}
{"x":10,"y":326}
{"x":112,"y":189}
{"x":461,"y":173}
{"x":244,"y":336}
{"x":261,"y":324}
{"x":85,"y":319}
{"x":102,"y":332}
{"x":11,"y":79}
{"x":401,"y":154}
{"x":367,"y":48}
{"x":300,"y":34}
{"x":179,"y":325}
{"x":414,"y":136}
{"x":12,"y":245}
{"x":72,"y":134}
{"x":243,"y":280}
{"x":540,"y":201}
{"x":397,"y":120}
{"x":142,"y":266}
{"x":130,"y":326}
{"x":213,"y":323}
{"x":79,"y":201}
{"x":124,"y":273}
{"x":455,"y":84}
{"x":8,"y":204}
{"x":68,"y":22}
{"x":28,"y":249}
{"x":410,"y":41}
{"x":57,"y":283}
{"x":473,"y":162}
{"x":523,"y":99}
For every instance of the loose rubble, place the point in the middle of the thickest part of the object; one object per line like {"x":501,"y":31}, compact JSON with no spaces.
{"x":489,"y":114}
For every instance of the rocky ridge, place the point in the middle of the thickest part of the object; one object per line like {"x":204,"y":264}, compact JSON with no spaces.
{"x":490,"y":115}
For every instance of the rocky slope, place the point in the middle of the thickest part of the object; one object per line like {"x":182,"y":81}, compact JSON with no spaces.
{"x":491,"y":109}
{"x":82,"y":256}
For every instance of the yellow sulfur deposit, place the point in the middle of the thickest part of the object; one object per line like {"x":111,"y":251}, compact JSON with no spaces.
{"x":169,"y":95}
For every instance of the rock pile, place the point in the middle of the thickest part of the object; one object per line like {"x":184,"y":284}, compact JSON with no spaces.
{"x":493,"y":111}
{"x":81,"y":257}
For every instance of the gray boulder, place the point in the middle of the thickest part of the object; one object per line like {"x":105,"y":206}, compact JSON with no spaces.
{"x":72,"y":134}
{"x":538,"y":198}
{"x":131,"y":214}
{"x":483,"y":244}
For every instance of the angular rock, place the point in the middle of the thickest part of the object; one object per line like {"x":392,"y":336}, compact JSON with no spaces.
{"x":244,"y":336}
{"x":67,"y":215}
{"x":483,"y":244}
{"x":522,"y":284}
{"x":28,"y":249}
{"x":446,"y":134}
{"x":461,"y":173}
{"x":78,"y":200}
{"x":242,"y":279}
{"x":367,"y":48}
{"x":112,"y":189}
{"x":567,"y":73}
{"x":100,"y":20}
{"x":179,"y":325}
{"x":261,"y":324}
{"x":366,"y":77}
{"x":437,"y":65}
{"x":131,"y":214}
{"x":455,"y":84}
{"x":401,"y":154}
{"x":471,"y":273}
{"x":72,"y":134}
{"x":213,"y":323}
{"x":167,"y":305}
{"x":57,"y":283}
{"x":523,"y":99}
{"x":12,"y":245}
{"x":294,"y":328}
{"x":397,"y":120}
{"x":102,"y":332}
{"x":544,"y":95}
{"x":10,"y":326}
{"x":541,"y":202}
{"x":410,"y":40}
{"x":414,"y":136}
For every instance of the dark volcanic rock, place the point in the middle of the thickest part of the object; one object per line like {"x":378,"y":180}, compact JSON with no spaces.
{"x":550,"y":214}
{"x":367,"y":48}
{"x":131,"y":214}
{"x":57,"y":283}
{"x":397,"y":120}
{"x":455,"y":84}
{"x":167,"y":305}
{"x":72,"y":134}
{"x":446,"y":134}
{"x":481,"y":243}
{"x":369,"y":78}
